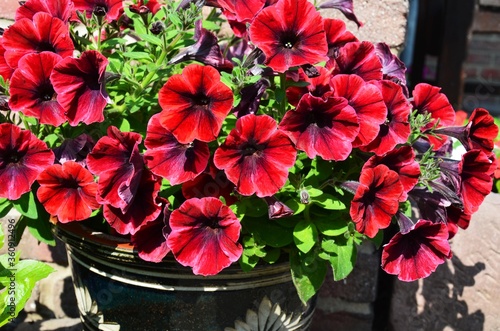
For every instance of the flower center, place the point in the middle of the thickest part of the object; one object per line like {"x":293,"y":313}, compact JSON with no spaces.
{"x":12,"y":158}
{"x":201,"y":100}
{"x":251,"y":148}
{"x":289,"y":40}
{"x":71,"y":183}
{"x":45,"y":46}
{"x":100,"y":10}
{"x":46,"y":92}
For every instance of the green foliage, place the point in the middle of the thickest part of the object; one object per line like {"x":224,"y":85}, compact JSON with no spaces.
{"x":308,"y":273}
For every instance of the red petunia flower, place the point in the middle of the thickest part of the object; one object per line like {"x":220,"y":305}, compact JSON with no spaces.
{"x":31,"y":91}
{"x":168,"y":158}
{"x":478,"y":133}
{"x":357,"y":58}
{"x":376,"y":199}
{"x":195,"y":103}
{"x":61,"y":9}
{"x":317,"y":86}
{"x":336,"y":35}
{"x":367,"y":101}
{"x":418,"y":253}
{"x":205,"y":235}
{"x":5,"y":70}
{"x":396,"y":129}
{"x":324,"y":127}
{"x":67,"y":191}
{"x":211,"y":183}
{"x":456,"y":218}
{"x":240,"y":12}
{"x":428,"y":100}
{"x":79,"y":84}
{"x":290,"y":33}
{"x":256,"y":156}
{"x":150,"y":240}
{"x":476,"y":176}
{"x":43,"y":33}
{"x":116,"y":160}
{"x":22,"y":158}
{"x":402,"y":161}
{"x":140,"y":210}
{"x":112,"y":9}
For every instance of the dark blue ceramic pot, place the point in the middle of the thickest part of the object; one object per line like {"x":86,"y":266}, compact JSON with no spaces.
{"x":116,"y":290}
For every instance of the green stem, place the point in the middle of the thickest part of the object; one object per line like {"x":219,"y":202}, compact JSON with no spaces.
{"x":161,"y":58}
{"x":283,"y":102}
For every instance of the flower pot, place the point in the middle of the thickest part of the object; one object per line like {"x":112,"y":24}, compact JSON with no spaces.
{"x":116,"y":290}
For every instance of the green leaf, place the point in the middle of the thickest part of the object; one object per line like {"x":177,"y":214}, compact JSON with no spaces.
{"x":272,"y":255}
{"x":331,"y":226}
{"x":2,"y":237}
{"x":268,"y":232}
{"x":5,"y":207}
{"x":41,"y":230}
{"x":328,"y":201}
{"x":295,"y":206}
{"x":19,"y":229}
{"x":343,"y":257}
{"x":26,"y":274}
{"x":26,"y":205}
{"x":151,"y":39}
{"x":305,"y":236}
{"x":137,"y":55}
{"x":307,"y":277}
{"x":247,"y":263}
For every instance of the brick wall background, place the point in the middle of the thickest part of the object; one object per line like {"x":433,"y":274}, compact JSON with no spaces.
{"x":482,"y":67}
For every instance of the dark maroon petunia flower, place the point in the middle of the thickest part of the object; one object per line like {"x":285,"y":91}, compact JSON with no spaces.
{"x":392,"y":67}
{"x":195,"y":103}
{"x":5,"y":70}
{"x":119,"y":165}
{"x":418,"y":253}
{"x":337,"y":35}
{"x":151,"y":239}
{"x":140,"y":7}
{"x":75,"y":149}
{"x":476,"y":176}
{"x":211,"y":183}
{"x":428,"y":100}
{"x":318,"y":86}
{"x":31,"y":91}
{"x":112,"y":9}
{"x":140,"y":210}
{"x":277,"y":209}
{"x":168,"y":158}
{"x":205,"y":235}
{"x":250,"y":98}
{"x":396,"y":129}
{"x":402,"y":161}
{"x":324,"y":127}
{"x":68,"y":192}
{"x":22,"y":158}
{"x":357,"y":58}
{"x":239,"y":13}
{"x":367,"y":101}
{"x":479,"y":133}
{"x":206,"y":50}
{"x":345,"y":6}
{"x":61,"y":9}
{"x":256,"y":156}
{"x":376,"y":199}
{"x":290,"y":33}
{"x":43,"y":33}
{"x":79,"y":84}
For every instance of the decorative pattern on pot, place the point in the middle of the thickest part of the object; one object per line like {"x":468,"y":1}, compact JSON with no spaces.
{"x":269,"y":317}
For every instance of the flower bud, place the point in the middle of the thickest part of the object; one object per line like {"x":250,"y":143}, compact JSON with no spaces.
{"x":157,"y":27}
{"x":304,"y":196}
